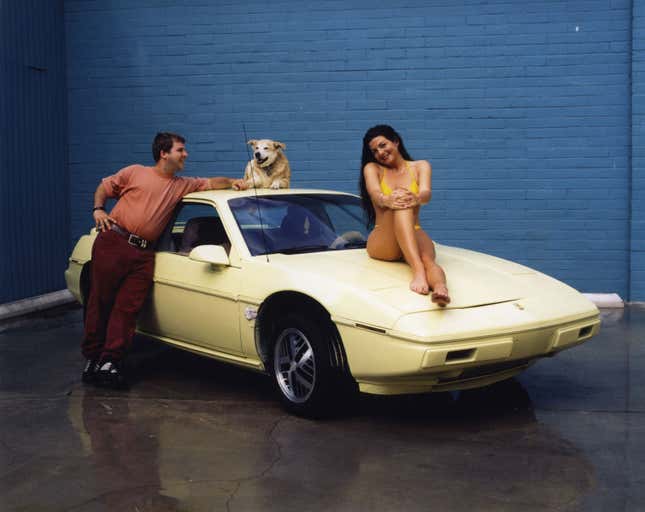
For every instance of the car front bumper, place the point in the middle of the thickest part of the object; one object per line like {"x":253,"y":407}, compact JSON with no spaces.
{"x":485,"y":345}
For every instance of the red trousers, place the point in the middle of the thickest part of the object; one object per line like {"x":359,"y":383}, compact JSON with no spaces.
{"x":120,"y":282}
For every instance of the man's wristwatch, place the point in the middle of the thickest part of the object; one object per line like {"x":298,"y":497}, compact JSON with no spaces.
{"x":98,"y":208}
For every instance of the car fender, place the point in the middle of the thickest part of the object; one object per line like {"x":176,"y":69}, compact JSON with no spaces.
{"x":262,"y":280}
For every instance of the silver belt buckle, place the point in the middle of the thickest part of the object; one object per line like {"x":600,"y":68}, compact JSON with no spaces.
{"x":137,"y":241}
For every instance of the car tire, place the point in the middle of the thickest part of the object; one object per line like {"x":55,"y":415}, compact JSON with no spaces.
{"x":308,"y":376}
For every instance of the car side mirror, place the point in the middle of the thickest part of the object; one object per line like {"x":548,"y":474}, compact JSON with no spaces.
{"x":214,"y":254}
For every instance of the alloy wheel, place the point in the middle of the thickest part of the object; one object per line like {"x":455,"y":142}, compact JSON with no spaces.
{"x":294,"y":365}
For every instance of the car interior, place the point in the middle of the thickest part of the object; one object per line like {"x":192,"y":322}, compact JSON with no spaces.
{"x":202,"y":231}
{"x":193,"y":224}
{"x":298,"y":228}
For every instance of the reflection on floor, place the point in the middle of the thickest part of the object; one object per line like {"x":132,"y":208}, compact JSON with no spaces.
{"x":194,"y":435}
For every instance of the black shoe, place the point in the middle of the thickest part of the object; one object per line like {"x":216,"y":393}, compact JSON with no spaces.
{"x":109,"y":374}
{"x":89,"y":372}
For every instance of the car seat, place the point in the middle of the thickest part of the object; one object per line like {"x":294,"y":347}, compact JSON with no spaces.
{"x":300,"y":225}
{"x":202,"y":231}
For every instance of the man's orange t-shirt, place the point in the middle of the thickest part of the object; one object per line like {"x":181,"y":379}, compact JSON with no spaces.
{"x":146,"y":198}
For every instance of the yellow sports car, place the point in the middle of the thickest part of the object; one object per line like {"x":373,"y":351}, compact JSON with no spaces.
{"x":280,"y":282}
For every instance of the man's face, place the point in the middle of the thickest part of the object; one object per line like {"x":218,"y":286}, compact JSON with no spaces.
{"x":176,"y":156}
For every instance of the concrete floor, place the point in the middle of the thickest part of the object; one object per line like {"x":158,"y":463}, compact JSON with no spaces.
{"x":195,"y":435}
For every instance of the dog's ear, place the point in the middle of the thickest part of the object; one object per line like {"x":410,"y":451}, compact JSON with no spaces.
{"x":252,"y":142}
{"x":279,"y":145}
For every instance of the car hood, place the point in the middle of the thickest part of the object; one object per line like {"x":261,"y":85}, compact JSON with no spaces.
{"x":474,"y":279}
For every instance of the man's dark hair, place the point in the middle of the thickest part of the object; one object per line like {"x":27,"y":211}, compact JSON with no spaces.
{"x":163,"y":142}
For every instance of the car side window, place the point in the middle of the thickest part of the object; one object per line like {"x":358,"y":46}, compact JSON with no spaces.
{"x":197,"y":224}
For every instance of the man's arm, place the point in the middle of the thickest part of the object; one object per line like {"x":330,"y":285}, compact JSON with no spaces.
{"x":101,"y":218}
{"x":100,"y":196}
{"x":222,"y":182}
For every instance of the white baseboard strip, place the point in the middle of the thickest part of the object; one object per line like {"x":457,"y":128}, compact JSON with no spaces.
{"x":34,"y":304}
{"x":605,"y":300}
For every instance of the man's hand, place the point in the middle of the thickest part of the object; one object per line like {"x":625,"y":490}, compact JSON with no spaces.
{"x":103,"y":220}
{"x":239,"y":185}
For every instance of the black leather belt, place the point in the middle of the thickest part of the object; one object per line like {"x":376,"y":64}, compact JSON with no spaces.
{"x":133,"y":239}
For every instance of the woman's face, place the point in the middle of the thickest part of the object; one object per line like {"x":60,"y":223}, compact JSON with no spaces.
{"x":384,"y":150}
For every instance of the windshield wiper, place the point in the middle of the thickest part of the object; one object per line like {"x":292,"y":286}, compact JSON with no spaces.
{"x":358,"y":244}
{"x":304,"y":248}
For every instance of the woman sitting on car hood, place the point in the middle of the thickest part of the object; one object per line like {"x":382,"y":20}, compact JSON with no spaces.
{"x":393,"y":188}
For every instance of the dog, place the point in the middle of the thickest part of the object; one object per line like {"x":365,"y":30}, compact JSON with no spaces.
{"x":269,"y":167}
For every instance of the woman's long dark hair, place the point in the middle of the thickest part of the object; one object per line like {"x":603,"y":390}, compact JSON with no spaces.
{"x":390,"y":134}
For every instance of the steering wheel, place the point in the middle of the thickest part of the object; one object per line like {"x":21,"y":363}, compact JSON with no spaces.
{"x":346,"y":238}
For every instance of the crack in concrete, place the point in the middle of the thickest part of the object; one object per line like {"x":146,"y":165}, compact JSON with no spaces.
{"x":99,"y":497}
{"x":12,"y":463}
{"x":17,"y":466}
{"x":267,"y":470}
{"x":238,"y":482}
{"x":232,"y":496}
{"x":6,"y":445}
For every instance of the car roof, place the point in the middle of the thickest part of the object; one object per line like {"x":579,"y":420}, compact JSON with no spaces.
{"x":226,"y":194}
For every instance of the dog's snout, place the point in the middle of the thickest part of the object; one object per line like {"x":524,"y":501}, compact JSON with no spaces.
{"x":258,"y":155}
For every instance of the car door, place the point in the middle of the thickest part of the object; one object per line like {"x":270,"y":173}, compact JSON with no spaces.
{"x":194,"y":302}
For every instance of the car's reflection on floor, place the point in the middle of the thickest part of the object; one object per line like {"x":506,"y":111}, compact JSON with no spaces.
{"x":180,"y":372}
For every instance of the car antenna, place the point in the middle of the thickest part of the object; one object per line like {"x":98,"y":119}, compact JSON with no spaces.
{"x":257,"y":200}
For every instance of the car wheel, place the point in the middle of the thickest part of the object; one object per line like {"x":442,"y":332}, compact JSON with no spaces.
{"x":305,"y":367}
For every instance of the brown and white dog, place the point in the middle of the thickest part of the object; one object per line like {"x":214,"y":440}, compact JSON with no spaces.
{"x":269,"y":167}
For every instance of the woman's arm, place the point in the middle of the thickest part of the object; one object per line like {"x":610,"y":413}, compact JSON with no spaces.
{"x":425,"y":182}
{"x":406,"y":199}
{"x":373,"y":185}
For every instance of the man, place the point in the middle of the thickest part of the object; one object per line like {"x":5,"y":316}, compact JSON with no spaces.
{"x":123,"y":252}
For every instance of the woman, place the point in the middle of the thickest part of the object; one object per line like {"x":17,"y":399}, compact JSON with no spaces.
{"x":393,"y":188}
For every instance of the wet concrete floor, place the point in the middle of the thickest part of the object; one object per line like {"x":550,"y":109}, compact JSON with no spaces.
{"x":196,"y":435}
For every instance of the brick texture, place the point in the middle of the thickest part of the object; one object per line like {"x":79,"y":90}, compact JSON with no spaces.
{"x":34,"y":195}
{"x":523,"y":109}
{"x":637,"y":235}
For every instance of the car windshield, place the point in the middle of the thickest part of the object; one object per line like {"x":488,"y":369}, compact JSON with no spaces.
{"x":300,"y":223}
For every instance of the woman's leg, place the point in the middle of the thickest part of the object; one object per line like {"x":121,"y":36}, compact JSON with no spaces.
{"x":395,"y":237}
{"x":435,"y":274}
{"x":407,"y":240}
{"x":381,"y":243}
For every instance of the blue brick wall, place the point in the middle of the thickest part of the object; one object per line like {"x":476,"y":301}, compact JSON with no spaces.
{"x":637,"y":268}
{"x":34,"y":194}
{"x":523,"y":109}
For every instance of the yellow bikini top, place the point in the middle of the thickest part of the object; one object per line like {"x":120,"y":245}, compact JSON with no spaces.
{"x":413,"y":187}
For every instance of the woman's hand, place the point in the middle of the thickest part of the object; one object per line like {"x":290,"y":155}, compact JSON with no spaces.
{"x":391,"y":202}
{"x":399,"y":199}
{"x":402,"y":198}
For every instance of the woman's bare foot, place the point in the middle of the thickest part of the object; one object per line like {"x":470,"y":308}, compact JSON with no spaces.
{"x":440,"y":295}
{"x":419,"y":284}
